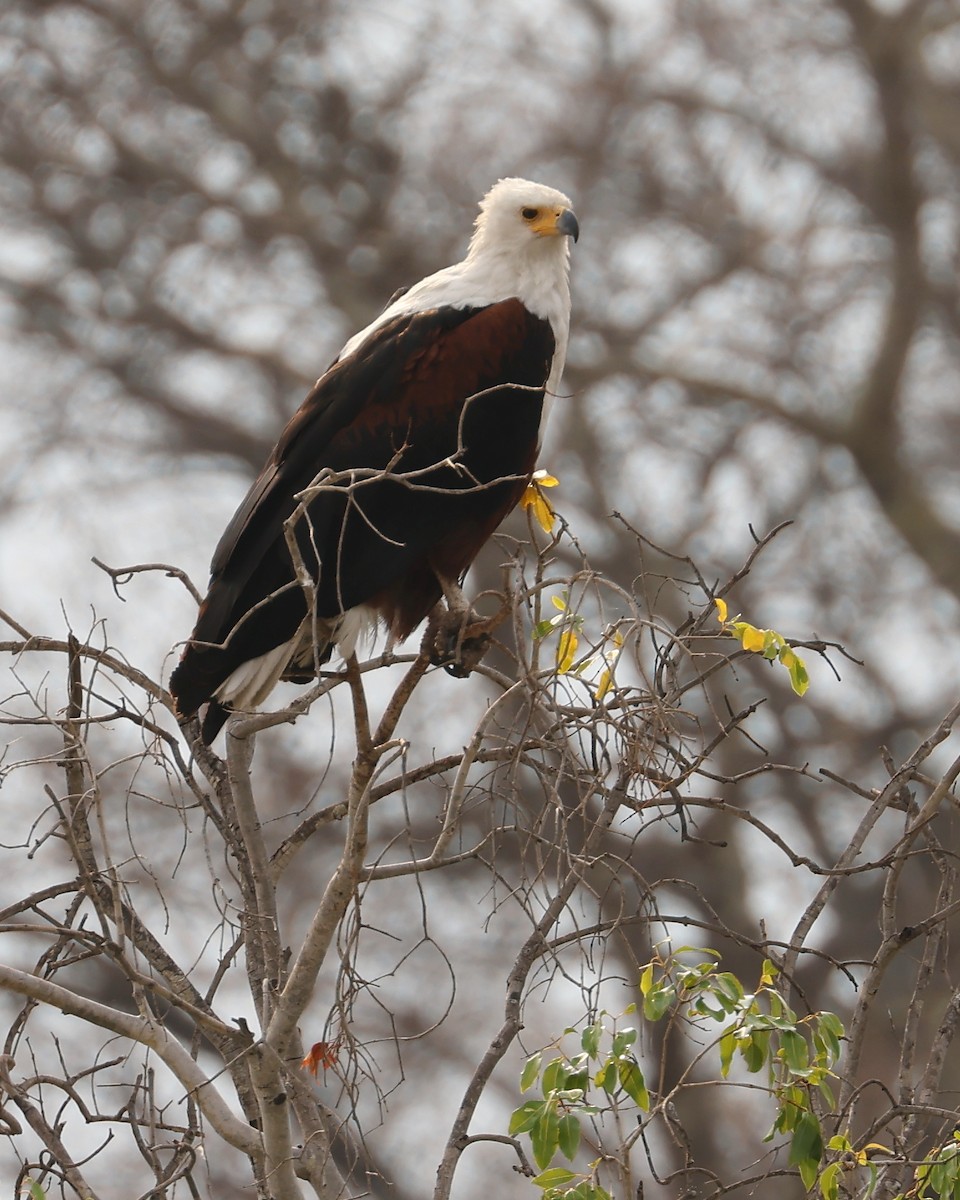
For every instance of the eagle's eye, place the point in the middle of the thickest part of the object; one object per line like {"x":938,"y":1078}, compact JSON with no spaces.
{"x":529,"y":214}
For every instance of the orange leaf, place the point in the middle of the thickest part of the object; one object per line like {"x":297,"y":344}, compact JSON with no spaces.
{"x":321,"y":1054}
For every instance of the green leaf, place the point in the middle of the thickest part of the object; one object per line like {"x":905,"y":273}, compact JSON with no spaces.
{"x":606,"y":1077}
{"x":795,"y":1050}
{"x":808,"y":1171}
{"x":545,"y":1137}
{"x":623,"y":1041}
{"x":530,"y":1072}
{"x":728,"y":990}
{"x":523,"y":1119}
{"x":646,"y":979}
{"x":806,"y":1148}
{"x":755,"y":1050}
{"x":871,"y":1186}
{"x":728,"y":1044}
{"x":691,"y":979}
{"x":590,"y":1039}
{"x":779,"y":1010}
{"x":830,"y":1181}
{"x":588,"y":1190}
{"x":555,"y":1177}
{"x":632,"y":1082}
{"x":568,"y":1134}
{"x":831,"y":1027}
{"x":705,"y":1009}
{"x":553,"y":1075}
{"x":583,"y":1191}
{"x":576,"y":1081}
{"x":658,"y":1000}
{"x":826,"y":1091}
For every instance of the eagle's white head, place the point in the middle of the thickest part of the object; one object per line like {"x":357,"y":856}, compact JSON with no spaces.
{"x":518,"y":217}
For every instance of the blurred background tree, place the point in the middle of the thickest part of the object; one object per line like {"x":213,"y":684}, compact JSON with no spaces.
{"x":200,"y":201}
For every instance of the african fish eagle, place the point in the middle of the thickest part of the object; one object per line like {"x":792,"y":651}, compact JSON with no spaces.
{"x":411,"y":449}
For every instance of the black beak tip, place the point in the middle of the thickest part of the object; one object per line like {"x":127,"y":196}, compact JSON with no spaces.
{"x":569,"y":225}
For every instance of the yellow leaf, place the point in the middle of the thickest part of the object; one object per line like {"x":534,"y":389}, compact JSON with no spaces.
{"x":535,"y":499}
{"x":566,"y":650}
{"x":721,"y":611}
{"x":544,"y":479}
{"x":752,"y":638}
{"x":610,"y":657}
{"x":544,"y":514}
{"x":559,"y":602}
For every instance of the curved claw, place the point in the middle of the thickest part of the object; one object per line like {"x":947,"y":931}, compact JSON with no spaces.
{"x":467,"y":655}
{"x":459,"y":642}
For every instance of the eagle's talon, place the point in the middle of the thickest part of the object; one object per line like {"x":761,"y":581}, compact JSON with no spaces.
{"x":458,"y":642}
{"x":467,"y":655}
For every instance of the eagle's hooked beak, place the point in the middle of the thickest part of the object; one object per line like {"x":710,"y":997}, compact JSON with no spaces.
{"x":567,"y":224}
